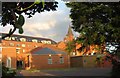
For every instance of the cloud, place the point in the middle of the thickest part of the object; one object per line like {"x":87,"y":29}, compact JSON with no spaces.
{"x":52,"y":24}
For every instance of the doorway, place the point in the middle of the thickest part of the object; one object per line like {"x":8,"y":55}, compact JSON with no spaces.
{"x":19,"y":64}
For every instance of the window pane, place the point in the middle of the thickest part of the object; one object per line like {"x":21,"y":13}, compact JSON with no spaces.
{"x":49,"y":60}
{"x":61,"y":60}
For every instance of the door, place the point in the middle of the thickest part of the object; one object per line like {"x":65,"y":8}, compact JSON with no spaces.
{"x":19,"y":64}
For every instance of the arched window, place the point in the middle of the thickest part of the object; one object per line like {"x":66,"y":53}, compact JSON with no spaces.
{"x":8,"y":62}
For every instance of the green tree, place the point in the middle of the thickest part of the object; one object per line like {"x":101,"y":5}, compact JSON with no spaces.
{"x":98,"y":23}
{"x":71,"y":47}
{"x":12,"y":13}
{"x":6,"y":72}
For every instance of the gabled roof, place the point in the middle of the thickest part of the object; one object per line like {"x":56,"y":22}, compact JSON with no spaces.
{"x":46,"y":50}
{"x":52,"y":47}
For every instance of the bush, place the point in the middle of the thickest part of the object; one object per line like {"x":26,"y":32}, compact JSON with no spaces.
{"x":7,"y":72}
{"x":116,"y":69}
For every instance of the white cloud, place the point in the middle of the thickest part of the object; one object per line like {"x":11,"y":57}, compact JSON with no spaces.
{"x":39,"y":25}
{"x":52,"y":24}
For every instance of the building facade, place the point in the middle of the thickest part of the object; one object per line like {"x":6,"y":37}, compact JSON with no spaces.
{"x":25,"y":52}
{"x":16,"y":52}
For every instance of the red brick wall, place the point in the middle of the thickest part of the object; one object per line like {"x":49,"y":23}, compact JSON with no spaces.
{"x":28,"y":45}
{"x":9,"y":52}
{"x":41,"y":62}
{"x":88,"y":61}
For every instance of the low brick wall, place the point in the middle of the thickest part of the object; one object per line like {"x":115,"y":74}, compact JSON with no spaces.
{"x":88,"y":62}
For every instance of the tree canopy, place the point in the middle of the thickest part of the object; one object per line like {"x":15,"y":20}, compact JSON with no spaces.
{"x":97,"y":22}
{"x":12,"y":13}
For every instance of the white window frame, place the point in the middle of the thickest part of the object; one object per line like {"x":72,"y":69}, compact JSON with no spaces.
{"x":18,"y":50}
{"x":49,"y":60}
{"x":11,"y":44}
{"x":34,"y":40}
{"x":23,"y":39}
{"x":61,"y":60}
{"x":23,"y":50}
{"x":8,"y":62}
{"x":23,"y":45}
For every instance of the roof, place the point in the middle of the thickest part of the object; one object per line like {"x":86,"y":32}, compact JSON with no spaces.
{"x":52,"y":47}
{"x":29,"y":38}
{"x":69,"y":31}
{"x":46,"y":50}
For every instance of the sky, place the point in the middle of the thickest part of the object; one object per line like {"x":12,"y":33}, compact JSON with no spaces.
{"x":53,"y":24}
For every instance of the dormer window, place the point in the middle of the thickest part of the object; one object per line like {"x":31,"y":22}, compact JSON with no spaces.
{"x":22,"y":39}
{"x":8,"y":38}
{"x":48,"y":42}
{"x":43,"y":41}
{"x":34,"y":40}
{"x":12,"y":38}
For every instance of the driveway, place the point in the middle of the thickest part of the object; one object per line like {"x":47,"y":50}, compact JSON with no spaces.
{"x":67,"y":72}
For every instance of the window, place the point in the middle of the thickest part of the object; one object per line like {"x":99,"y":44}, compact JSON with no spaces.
{"x":74,"y":53}
{"x":23,"y":45}
{"x":11,"y":44}
{"x":61,"y":60}
{"x":49,"y":60}
{"x":8,"y":62}
{"x":18,"y":50}
{"x":43,"y":41}
{"x":22,"y":39}
{"x":23,"y":50}
{"x":34,"y":40}
{"x":12,"y":38}
{"x":8,"y":38}
{"x":18,"y":45}
{"x":48,"y":42}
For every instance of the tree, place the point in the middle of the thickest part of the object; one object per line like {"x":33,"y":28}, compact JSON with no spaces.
{"x":6,"y":72}
{"x":71,"y":46}
{"x":12,"y":13}
{"x":98,"y":23}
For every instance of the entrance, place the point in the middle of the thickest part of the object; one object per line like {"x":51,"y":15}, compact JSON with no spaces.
{"x":19,"y":64}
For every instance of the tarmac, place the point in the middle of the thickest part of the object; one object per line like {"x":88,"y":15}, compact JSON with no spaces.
{"x":83,"y":72}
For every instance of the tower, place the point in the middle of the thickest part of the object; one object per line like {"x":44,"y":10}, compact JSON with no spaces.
{"x":69,"y":36}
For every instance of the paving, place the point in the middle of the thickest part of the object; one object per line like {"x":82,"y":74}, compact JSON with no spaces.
{"x":67,"y":72}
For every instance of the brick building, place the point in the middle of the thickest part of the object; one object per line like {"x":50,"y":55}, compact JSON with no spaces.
{"x":91,"y":50}
{"x":17,"y":52}
{"x":27,"y":52}
{"x":86,"y":57}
